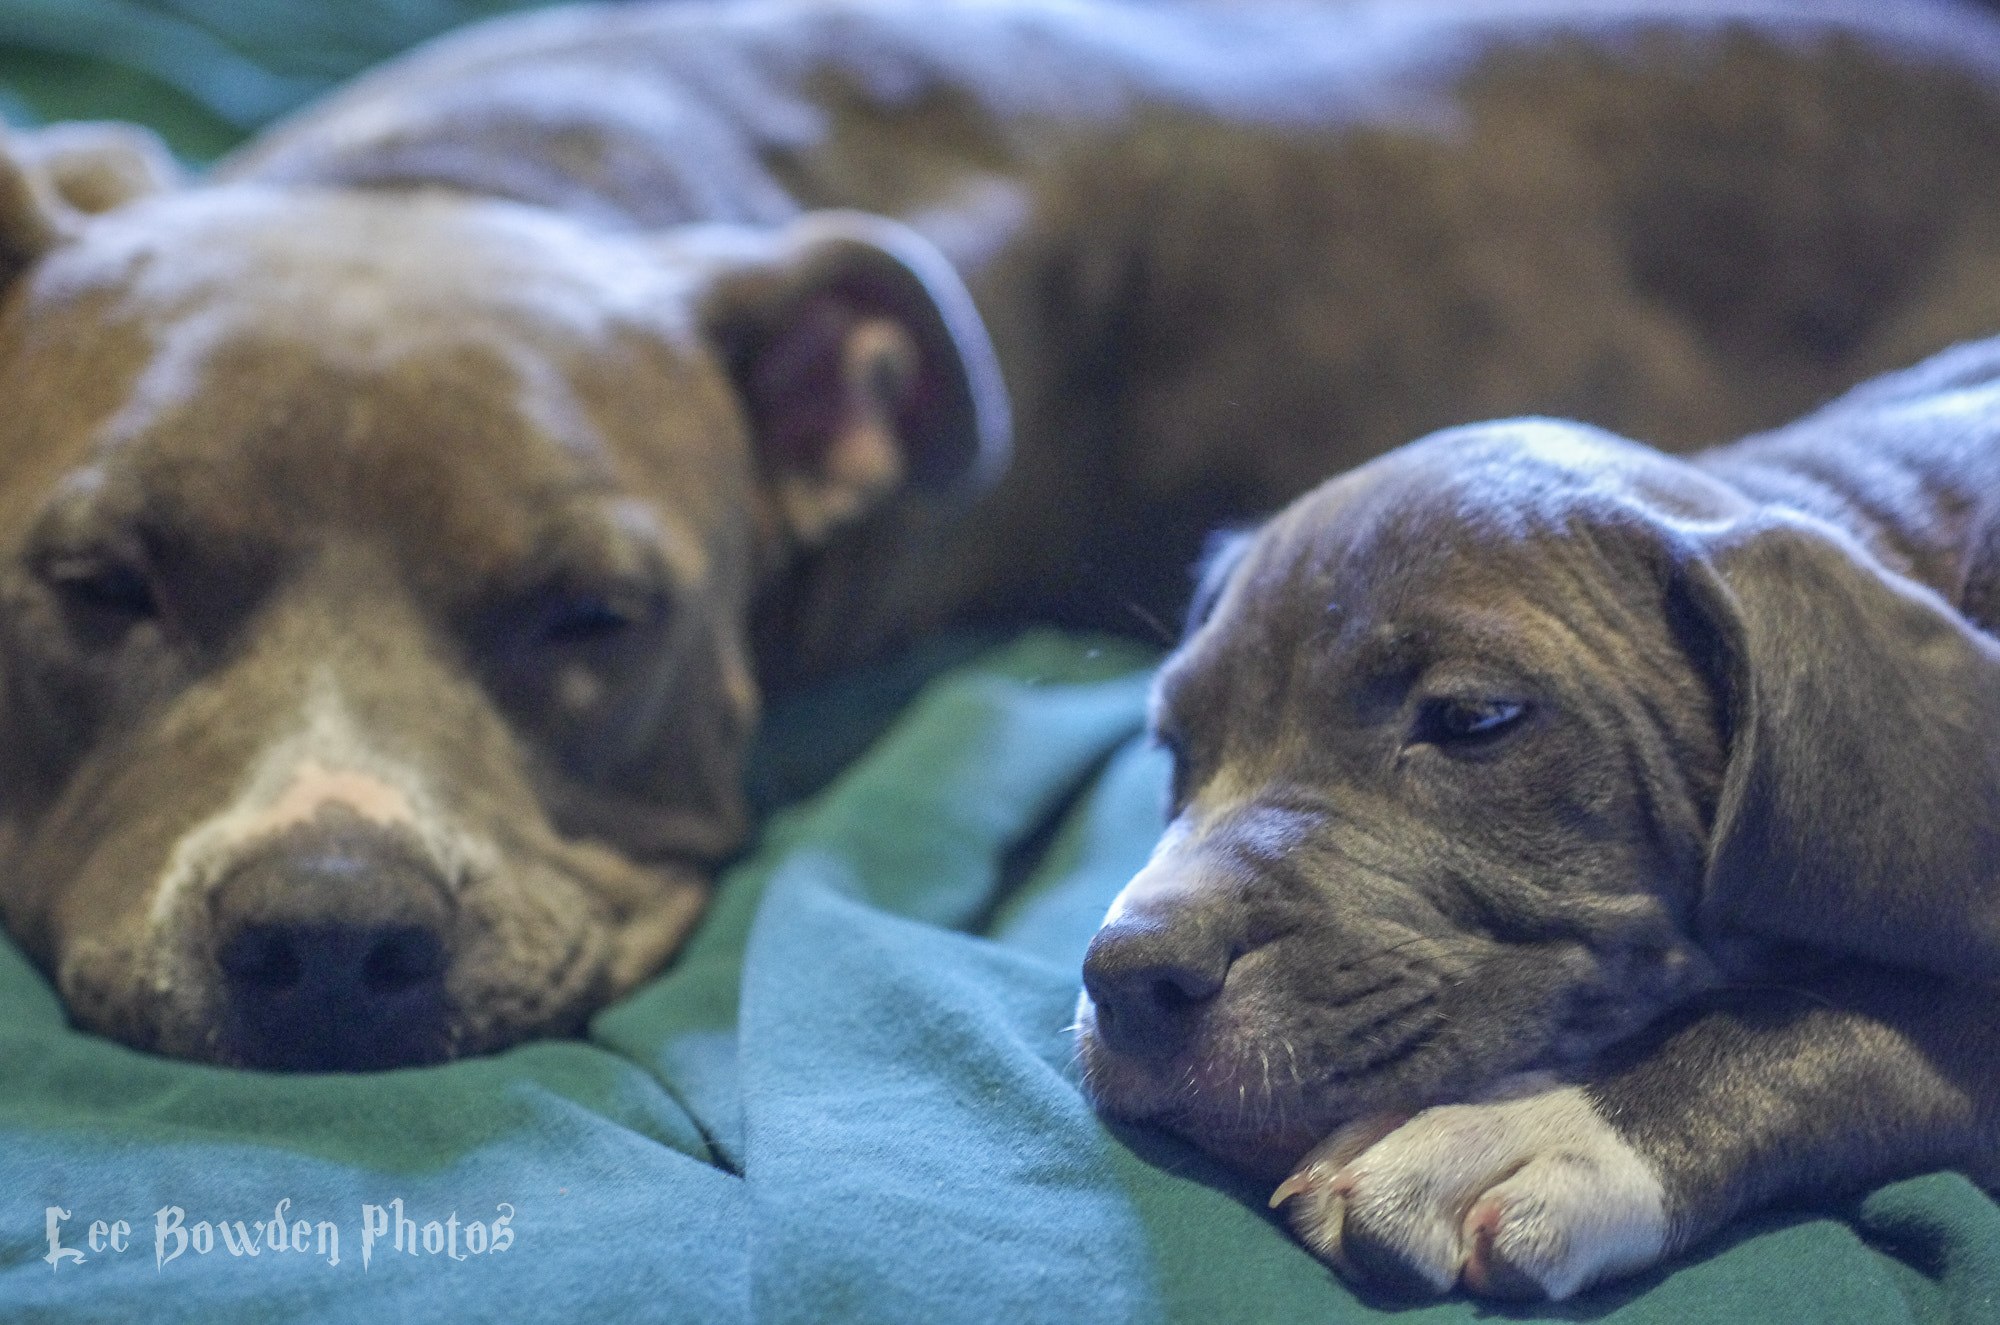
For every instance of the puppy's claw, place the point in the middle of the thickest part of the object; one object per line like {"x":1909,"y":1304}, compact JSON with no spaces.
{"x":1292,"y":1186}
{"x":1324,"y":1163}
{"x":1487,"y":1271}
{"x":1325,"y":1231}
{"x":1332,"y":1226}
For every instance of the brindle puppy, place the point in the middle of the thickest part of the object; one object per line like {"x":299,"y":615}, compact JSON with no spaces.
{"x":386,"y":522}
{"x":1573,"y":847}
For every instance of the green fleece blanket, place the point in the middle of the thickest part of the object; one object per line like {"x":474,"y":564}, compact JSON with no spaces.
{"x":851,"y":1099}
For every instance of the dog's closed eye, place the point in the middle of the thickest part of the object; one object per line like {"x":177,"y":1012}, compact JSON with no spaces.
{"x":564,"y":617}
{"x":564,"y":650}
{"x":588,"y":619}
{"x":104,"y":596}
{"x":1465,"y":725}
{"x":103,"y":585}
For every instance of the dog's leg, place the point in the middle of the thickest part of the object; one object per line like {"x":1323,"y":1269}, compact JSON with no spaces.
{"x":1755,"y":1096}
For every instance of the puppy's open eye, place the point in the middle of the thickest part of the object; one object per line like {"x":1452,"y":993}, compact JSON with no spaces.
{"x":1466,"y":724}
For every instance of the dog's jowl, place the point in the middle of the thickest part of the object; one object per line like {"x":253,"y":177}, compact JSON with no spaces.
{"x":397,"y":527}
{"x":1572,"y":847}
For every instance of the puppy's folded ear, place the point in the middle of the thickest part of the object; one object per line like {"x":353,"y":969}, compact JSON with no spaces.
{"x":862,"y":363}
{"x":53,"y":178}
{"x":1860,"y":808}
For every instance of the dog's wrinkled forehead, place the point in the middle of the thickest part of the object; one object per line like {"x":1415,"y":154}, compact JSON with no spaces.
{"x":1484,"y":511}
{"x":357,"y":273}
{"x":1498,"y":542}
{"x":453,"y":376}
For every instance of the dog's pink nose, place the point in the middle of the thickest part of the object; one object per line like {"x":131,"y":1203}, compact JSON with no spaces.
{"x":332,"y":955}
{"x":1150,"y":977}
{"x":315,"y":788}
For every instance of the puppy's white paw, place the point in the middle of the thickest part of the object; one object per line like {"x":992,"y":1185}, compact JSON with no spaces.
{"x":1528,"y":1196}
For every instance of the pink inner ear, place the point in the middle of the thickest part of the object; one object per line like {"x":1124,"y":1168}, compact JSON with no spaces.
{"x":800,"y":394}
{"x":795,"y":389}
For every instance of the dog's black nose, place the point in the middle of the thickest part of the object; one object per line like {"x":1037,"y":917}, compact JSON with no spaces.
{"x":1150,"y":978}
{"x":332,"y":956}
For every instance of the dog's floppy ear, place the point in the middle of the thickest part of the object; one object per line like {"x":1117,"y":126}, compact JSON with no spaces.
{"x":52,"y":179}
{"x":863,"y":365}
{"x":1860,"y":807}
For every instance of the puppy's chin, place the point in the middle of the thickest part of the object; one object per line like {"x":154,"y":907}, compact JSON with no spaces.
{"x":1240,"y":1118}
{"x":1230,"y":1094}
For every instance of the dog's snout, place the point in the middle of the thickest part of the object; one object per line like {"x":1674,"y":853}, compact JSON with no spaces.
{"x":327,"y":998}
{"x":332,"y":955}
{"x":280,"y":958}
{"x":1149,"y":978}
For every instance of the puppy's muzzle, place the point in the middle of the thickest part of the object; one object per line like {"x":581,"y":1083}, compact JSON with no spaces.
{"x":331,"y":946}
{"x":1150,"y":974}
